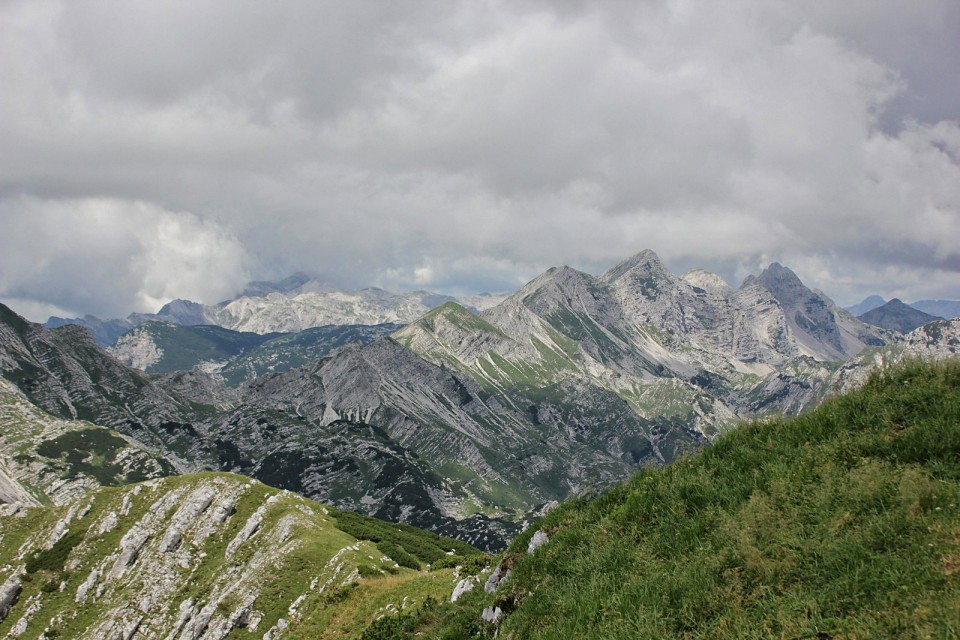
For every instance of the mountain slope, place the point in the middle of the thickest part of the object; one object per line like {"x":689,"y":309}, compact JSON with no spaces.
{"x":211,"y":556}
{"x":897,"y":316}
{"x":44,"y":459}
{"x":840,"y":523}
{"x":66,"y":373}
{"x":163,"y":347}
{"x":200,"y":424}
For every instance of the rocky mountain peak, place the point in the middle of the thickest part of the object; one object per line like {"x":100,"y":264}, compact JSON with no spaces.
{"x":897,"y":316}
{"x":552,"y":281}
{"x":710,"y":282}
{"x":647,"y":263}
{"x":784,"y":284}
{"x":821,"y":329}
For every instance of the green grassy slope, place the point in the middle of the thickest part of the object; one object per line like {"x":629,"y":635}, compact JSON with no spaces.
{"x":305,"y":570}
{"x":842,"y":523}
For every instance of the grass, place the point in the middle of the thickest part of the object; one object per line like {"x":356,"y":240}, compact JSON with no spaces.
{"x":416,"y":544}
{"x":315,"y":560}
{"x":844,"y":522}
{"x":93,"y":452}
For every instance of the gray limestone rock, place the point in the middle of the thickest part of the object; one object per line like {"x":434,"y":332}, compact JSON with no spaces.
{"x":492,"y":615}
{"x":9,"y":593}
{"x":251,"y":527}
{"x":538,"y":540}
{"x":498,"y":575}
{"x":465,"y":585}
{"x":130,"y":545}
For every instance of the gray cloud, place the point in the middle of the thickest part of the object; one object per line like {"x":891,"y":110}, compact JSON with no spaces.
{"x":467,"y":146}
{"x":114,"y":256}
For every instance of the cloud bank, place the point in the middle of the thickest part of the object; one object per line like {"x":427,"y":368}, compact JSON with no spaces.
{"x":155,"y":152}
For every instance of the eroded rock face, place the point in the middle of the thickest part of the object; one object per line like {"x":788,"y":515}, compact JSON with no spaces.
{"x":166,"y":569}
{"x":9,"y":593}
{"x":492,"y":615}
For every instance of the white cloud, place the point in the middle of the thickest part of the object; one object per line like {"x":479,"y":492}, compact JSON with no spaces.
{"x":467,"y":145}
{"x":113,"y":255}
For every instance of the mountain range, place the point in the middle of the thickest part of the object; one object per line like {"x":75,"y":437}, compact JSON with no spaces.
{"x":290,"y":305}
{"x":470,"y":423}
{"x":464,"y":422}
{"x":840,"y":509}
{"x":942,"y":309}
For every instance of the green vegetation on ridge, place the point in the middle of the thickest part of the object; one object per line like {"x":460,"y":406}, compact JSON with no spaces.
{"x":315,"y":571}
{"x":842,"y":523}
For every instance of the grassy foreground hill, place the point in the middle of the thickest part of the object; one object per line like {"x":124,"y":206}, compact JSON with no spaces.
{"x":842,"y":523}
{"x":211,"y":556}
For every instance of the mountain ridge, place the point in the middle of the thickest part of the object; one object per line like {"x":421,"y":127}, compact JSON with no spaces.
{"x":567,"y":385}
{"x":895,"y":315}
{"x":291,"y":305}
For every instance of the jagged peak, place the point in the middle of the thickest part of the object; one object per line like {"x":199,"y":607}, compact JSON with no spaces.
{"x":177,"y":305}
{"x":646,"y":261}
{"x":777,"y":270}
{"x":708,"y":281}
{"x":558,"y":276}
{"x":14,"y":319}
{"x":783,"y":283}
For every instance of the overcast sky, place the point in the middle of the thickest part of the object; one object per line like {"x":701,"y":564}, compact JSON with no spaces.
{"x":152,"y":150}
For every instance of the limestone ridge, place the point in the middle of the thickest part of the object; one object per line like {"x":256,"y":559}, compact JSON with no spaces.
{"x":291,"y":305}
{"x":208,"y":557}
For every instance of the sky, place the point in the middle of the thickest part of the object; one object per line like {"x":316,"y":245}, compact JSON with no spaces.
{"x":160,"y":150}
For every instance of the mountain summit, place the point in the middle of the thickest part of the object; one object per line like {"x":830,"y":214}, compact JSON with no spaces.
{"x":897,"y":316}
